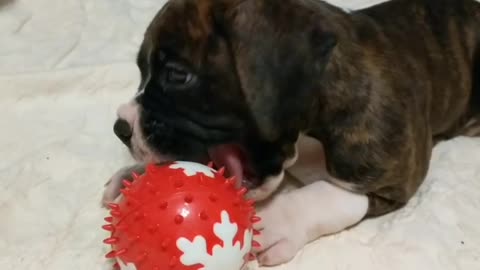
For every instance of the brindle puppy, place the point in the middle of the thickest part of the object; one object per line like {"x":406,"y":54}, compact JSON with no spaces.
{"x":252,"y":84}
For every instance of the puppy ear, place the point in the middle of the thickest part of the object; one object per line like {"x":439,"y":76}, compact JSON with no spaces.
{"x":280,"y":54}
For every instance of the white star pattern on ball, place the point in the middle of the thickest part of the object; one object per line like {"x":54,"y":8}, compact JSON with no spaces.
{"x":192,"y":168}
{"x":228,"y":256}
{"x":123,"y":266}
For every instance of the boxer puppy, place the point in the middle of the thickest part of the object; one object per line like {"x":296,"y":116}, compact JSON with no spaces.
{"x":350,"y":103}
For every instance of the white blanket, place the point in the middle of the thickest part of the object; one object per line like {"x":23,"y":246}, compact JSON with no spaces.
{"x":65,"y":65}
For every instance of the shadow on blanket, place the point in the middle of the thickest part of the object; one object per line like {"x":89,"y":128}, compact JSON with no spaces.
{"x":4,"y":3}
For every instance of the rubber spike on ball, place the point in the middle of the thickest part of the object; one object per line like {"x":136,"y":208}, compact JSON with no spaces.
{"x":114,"y":206}
{"x":150,"y":186}
{"x":133,"y":238}
{"x":255,"y":219}
{"x":141,"y":257}
{"x":125,"y":192}
{"x":121,"y":252}
{"x":129,"y":195}
{"x":202,"y":180}
{"x":111,"y":254}
{"x":108,"y":219}
{"x":173,"y":262}
{"x":109,"y":227}
{"x":122,"y":227}
{"x":242,"y":191}
{"x":165,"y":243}
{"x":135,"y":175}
{"x":230,"y":182}
{"x":139,"y":215}
{"x":188,"y":198}
{"x":115,"y":213}
{"x":204,"y":215}
{"x":111,"y":240}
{"x":221,"y":171}
{"x":126,"y":183}
{"x":163,"y":205}
{"x":213,"y":197}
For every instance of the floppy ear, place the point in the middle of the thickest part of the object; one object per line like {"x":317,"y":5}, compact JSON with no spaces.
{"x":280,"y":53}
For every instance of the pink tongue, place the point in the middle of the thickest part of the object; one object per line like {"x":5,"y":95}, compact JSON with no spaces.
{"x":228,"y":156}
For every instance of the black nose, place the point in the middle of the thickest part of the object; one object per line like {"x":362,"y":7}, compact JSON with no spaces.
{"x":123,"y":130}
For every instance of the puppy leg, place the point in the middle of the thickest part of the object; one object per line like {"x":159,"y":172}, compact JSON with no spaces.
{"x":114,"y":185}
{"x":294,"y":219}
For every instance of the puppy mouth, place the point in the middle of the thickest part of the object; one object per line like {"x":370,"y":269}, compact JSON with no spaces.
{"x":237,"y":164}
{"x":233,"y":157}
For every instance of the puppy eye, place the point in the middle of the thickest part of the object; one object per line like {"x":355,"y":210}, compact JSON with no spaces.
{"x":176,"y":75}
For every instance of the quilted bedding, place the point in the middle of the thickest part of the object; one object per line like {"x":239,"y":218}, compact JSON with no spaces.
{"x":65,"y":65}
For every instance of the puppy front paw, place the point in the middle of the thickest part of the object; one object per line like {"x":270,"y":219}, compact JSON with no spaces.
{"x":281,"y":235}
{"x":115,"y":183}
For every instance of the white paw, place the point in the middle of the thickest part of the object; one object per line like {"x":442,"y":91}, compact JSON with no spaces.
{"x":281,"y":234}
{"x":296,"y":218}
{"x":115,"y":183}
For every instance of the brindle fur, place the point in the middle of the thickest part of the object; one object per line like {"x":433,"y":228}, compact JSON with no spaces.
{"x":378,"y":87}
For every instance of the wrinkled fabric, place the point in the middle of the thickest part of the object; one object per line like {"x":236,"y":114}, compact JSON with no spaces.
{"x":65,"y":65}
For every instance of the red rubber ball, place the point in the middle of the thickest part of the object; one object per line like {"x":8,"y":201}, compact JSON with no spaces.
{"x":181,"y":216}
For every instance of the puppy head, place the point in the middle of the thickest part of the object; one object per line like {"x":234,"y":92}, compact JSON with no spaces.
{"x":230,"y":81}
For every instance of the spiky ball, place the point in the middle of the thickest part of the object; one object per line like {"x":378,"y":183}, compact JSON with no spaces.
{"x":181,"y":216}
